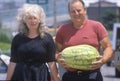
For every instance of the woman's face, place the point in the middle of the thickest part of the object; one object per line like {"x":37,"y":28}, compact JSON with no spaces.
{"x":32,"y":22}
{"x":77,"y":12}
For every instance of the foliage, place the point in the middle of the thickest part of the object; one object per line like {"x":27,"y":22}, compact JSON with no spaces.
{"x":0,"y":25}
{"x":5,"y":46}
{"x":108,"y":18}
{"x":4,"y":37}
{"x":5,"y":40}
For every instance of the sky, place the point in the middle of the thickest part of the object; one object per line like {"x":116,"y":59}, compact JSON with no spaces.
{"x":91,"y":1}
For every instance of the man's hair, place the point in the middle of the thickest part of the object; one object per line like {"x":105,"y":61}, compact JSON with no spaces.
{"x":73,"y":1}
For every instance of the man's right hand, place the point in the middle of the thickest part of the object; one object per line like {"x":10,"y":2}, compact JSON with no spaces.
{"x":62,"y":63}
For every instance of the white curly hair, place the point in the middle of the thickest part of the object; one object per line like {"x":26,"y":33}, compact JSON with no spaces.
{"x":35,"y":10}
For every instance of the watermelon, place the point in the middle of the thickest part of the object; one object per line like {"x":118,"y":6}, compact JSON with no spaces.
{"x":80,"y":56}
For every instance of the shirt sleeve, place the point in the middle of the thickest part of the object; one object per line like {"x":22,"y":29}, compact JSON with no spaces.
{"x":101,"y":31}
{"x":51,"y":49}
{"x":14,"y":57}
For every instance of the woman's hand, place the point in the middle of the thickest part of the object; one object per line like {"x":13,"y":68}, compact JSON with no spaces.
{"x":62,"y":63}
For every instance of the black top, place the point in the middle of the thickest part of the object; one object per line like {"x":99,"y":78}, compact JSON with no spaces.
{"x":25,"y":49}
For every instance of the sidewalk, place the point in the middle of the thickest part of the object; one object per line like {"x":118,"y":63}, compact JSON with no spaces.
{"x":109,"y":73}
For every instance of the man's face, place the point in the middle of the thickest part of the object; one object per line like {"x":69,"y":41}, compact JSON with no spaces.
{"x":77,"y":12}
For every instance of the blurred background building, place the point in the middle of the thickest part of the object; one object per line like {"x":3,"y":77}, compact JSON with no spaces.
{"x":8,"y":10}
{"x":97,"y":9}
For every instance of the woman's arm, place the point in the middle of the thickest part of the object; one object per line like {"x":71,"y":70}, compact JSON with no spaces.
{"x":10,"y":71}
{"x":54,"y":71}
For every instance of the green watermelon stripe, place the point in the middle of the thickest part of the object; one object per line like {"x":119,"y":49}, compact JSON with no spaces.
{"x":80,"y":56}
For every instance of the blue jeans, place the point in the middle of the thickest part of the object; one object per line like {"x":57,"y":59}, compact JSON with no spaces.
{"x":92,"y":76}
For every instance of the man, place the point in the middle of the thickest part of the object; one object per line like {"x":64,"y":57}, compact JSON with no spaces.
{"x":82,"y":31}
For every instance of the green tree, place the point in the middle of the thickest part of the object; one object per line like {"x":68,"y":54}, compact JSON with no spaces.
{"x":4,"y":35}
{"x":108,"y":18}
{"x":0,"y":25}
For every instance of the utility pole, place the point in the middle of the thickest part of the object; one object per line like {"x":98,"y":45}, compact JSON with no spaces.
{"x":99,"y":9}
{"x":55,"y":18}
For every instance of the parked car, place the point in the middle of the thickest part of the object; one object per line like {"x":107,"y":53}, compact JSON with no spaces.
{"x":4,"y":61}
{"x":116,"y":48}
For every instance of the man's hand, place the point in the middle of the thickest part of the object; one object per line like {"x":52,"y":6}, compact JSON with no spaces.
{"x":97,"y":64}
{"x":62,"y":63}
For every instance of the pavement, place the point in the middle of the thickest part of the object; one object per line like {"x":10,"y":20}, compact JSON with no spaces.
{"x":2,"y":76}
{"x":108,"y":73}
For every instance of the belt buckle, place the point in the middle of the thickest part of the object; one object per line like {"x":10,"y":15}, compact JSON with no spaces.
{"x":79,"y":73}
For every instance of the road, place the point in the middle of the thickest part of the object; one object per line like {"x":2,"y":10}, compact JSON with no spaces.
{"x":2,"y":76}
{"x":109,"y":73}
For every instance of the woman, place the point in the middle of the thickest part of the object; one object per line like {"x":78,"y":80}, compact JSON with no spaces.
{"x":82,"y":31}
{"x":32,"y":48}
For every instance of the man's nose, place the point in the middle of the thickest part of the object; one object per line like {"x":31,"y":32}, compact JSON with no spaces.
{"x":76,"y":12}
